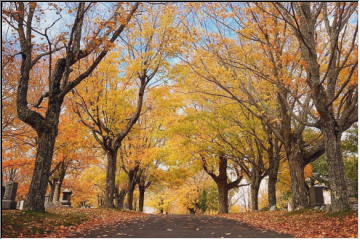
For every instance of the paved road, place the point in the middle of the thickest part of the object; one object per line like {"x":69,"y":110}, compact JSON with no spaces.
{"x":182,"y":226}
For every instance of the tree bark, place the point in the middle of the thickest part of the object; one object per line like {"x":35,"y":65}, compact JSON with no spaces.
{"x":61,"y":180}
{"x":56,"y":195}
{"x":274,"y":164}
{"x":132,"y":180}
{"x":141,"y":198}
{"x":254,"y":192}
{"x":52,"y":190}
{"x":135,"y":203}
{"x":339,"y":193}
{"x":333,"y":117}
{"x":121,"y":198}
{"x":298,"y":185}
{"x":272,"y":189}
{"x":36,"y":197}
{"x":110,"y":179}
{"x":223,"y":197}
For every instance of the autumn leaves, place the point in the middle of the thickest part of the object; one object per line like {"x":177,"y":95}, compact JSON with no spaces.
{"x":240,"y":90}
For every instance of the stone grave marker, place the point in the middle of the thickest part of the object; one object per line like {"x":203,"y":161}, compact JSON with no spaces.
{"x":21,"y":205}
{"x":8,"y":202}
{"x":66,"y":199}
{"x":316,"y":196}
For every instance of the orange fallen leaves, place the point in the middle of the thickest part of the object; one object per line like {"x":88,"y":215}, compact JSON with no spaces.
{"x":61,"y":222}
{"x":308,"y":224}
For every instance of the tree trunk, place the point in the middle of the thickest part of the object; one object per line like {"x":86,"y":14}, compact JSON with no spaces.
{"x":135,"y":203}
{"x":52,"y":190}
{"x":121,"y":198}
{"x":63,"y":169}
{"x":223,"y":197}
{"x":274,"y":163}
{"x":132,"y":179}
{"x":141,"y":198}
{"x":36,"y":197}
{"x":339,"y":194}
{"x":272,"y":189}
{"x":56,"y":196}
{"x":298,"y":185}
{"x":254,"y":191}
{"x":110,"y":179}
{"x":130,"y":197}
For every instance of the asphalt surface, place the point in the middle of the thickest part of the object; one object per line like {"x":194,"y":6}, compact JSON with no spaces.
{"x":179,"y":226}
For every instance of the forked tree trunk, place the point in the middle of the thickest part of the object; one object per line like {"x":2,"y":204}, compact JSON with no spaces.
{"x":221,"y":181}
{"x":36,"y":197}
{"x":110,"y":179}
{"x":339,"y":193}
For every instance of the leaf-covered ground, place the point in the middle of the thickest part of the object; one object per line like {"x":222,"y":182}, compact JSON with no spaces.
{"x":59,"y":222}
{"x":302,"y":223}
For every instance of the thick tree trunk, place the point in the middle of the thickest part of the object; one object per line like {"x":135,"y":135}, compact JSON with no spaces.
{"x":36,"y":197}
{"x":339,"y":194}
{"x":223,"y":197}
{"x":272,"y":189}
{"x":110,"y":179}
{"x":298,"y":185}
{"x":141,"y":198}
{"x":254,"y":192}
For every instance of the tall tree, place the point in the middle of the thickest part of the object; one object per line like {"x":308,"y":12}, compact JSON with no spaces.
{"x":242,"y":45}
{"x":327,"y":34}
{"x":21,"y":16}
{"x":146,"y":48}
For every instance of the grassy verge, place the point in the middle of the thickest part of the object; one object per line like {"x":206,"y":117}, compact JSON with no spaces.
{"x":27,"y":223}
{"x":59,"y":222}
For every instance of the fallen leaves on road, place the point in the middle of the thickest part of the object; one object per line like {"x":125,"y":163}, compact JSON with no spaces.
{"x":304,"y":224}
{"x":60,"y":222}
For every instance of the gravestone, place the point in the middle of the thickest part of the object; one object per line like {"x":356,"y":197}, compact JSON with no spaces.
{"x":20,"y":205}
{"x":8,"y":202}
{"x":66,"y":198}
{"x":316,"y":196}
{"x":290,"y":206}
{"x":47,"y":203}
